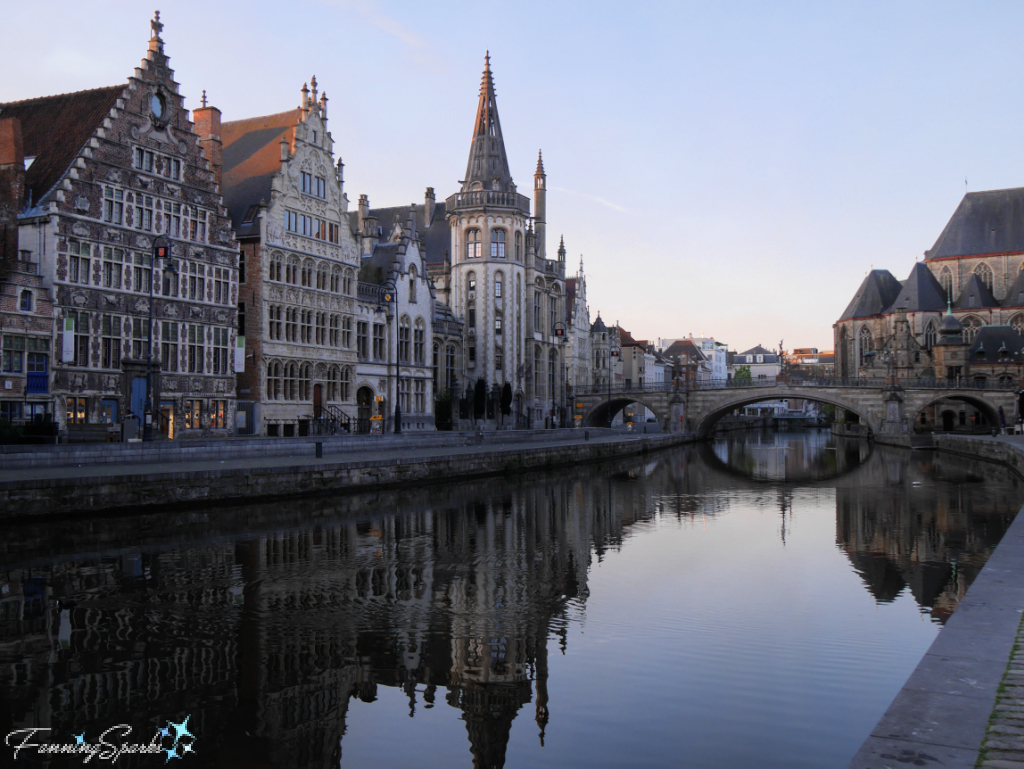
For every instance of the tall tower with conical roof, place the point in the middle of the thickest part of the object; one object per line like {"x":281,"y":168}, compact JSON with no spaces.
{"x":489,"y":220}
{"x":540,"y":204}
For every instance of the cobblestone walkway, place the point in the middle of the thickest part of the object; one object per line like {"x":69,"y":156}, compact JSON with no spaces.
{"x":1003,"y":747}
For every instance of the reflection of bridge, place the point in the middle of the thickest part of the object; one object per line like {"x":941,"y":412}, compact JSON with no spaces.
{"x":883,"y":406}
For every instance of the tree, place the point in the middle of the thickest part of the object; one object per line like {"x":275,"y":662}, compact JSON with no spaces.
{"x":479,"y":399}
{"x":742,"y":374}
{"x":506,"y":401}
{"x":443,"y":410}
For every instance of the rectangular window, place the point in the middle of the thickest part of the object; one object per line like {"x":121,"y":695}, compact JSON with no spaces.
{"x":13,"y":354}
{"x":403,"y":394}
{"x":472,"y":317}
{"x":196,"y":349}
{"x":113,"y":205}
{"x":81,"y":320}
{"x":140,"y":337}
{"x":335,"y":338}
{"x":76,"y":410}
{"x":471,"y":355}
{"x":78,"y":262}
{"x":241,"y":266}
{"x":321,"y":328}
{"x":144,"y":212}
{"x":321,"y":187}
{"x":110,"y":341}
{"x":241,"y":318}
{"x":10,"y":410}
{"x":141,"y":271}
{"x":143,"y":159}
{"x":193,"y":409}
{"x":169,"y":346}
{"x":197,"y":281}
{"x":346,"y":333}
{"x":196,"y":224}
{"x":220,"y":350}
{"x":421,"y":396}
{"x":218,"y":414}
{"x":113,"y":260}
{"x":497,"y":326}
{"x":497,"y":289}
{"x":291,"y":221}
{"x":306,"y":182}
{"x":221,"y":285}
{"x":172,"y":219}
{"x":419,"y":346}
{"x":403,"y":344}
{"x":172,"y":168}
{"x":363,"y":340}
{"x":380,"y":349}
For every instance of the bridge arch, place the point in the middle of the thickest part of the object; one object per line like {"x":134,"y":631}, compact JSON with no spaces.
{"x":990,"y":410}
{"x":600,"y":414}
{"x":704,"y":422}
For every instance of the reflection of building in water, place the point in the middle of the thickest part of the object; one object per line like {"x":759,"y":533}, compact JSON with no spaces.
{"x":274,"y":635}
{"x":913,"y":526}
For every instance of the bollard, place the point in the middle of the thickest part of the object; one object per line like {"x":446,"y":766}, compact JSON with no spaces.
{"x":586,"y":435}
{"x":319,"y":450}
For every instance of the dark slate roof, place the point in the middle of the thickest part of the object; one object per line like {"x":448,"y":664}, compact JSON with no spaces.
{"x":975,"y":296}
{"x":436,"y":235}
{"x":990,"y":222}
{"x":55,"y":129}
{"x":383,"y":258}
{"x":759,"y":350}
{"x":598,"y":326}
{"x":252,"y":155}
{"x":1015,"y":296}
{"x":682,"y":347}
{"x":570,"y":296}
{"x":996,"y":344}
{"x":921,"y":292}
{"x":876,"y":294}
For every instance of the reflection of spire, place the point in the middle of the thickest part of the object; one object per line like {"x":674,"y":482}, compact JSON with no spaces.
{"x":542,"y":686}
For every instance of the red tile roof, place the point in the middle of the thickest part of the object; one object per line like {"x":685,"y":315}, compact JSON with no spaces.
{"x":55,"y":129}
{"x":252,"y":155}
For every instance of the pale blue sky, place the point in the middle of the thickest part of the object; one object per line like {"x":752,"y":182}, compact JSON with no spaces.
{"x":730,"y":169}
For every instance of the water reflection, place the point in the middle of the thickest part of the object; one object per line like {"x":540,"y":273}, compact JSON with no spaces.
{"x":267,"y":623}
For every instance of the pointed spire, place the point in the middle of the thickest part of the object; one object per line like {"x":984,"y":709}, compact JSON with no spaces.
{"x":156,"y":43}
{"x":312,"y":82}
{"x":540,"y":164}
{"x":204,"y":97}
{"x":561,"y":250}
{"x":487,"y":164}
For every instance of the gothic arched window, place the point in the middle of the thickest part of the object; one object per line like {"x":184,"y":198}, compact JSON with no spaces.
{"x":519,"y":246}
{"x":971,"y":327}
{"x":984,"y":272}
{"x":497,"y":244}
{"x":867,"y":344}
{"x":946,"y":279}
{"x":930,"y":335}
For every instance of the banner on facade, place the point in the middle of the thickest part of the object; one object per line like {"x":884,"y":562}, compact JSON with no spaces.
{"x":239,"y":354}
{"x":67,"y":350}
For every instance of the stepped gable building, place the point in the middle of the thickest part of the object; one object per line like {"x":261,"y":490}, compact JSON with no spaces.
{"x":974,"y":272}
{"x":297,"y":300}
{"x":487,"y":257}
{"x":109,"y":174}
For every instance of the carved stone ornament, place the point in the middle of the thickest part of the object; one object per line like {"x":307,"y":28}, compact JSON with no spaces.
{"x":321,"y":370}
{"x":79,"y":299}
{"x":81,"y":203}
{"x":195,"y":312}
{"x":224,"y":237}
{"x":78,"y":382}
{"x":197,"y":253}
{"x":182,"y":147}
{"x":222,"y":386}
{"x":168,"y":384}
{"x":142,"y":306}
{"x":222,"y":317}
{"x":171,"y":311}
{"x":143,"y":242}
{"x":381,"y":384}
{"x":196,"y":385}
{"x":80,"y":230}
{"x":114,"y":236}
{"x":110,"y":300}
{"x":113,"y":175}
{"x":111,"y":384}
{"x":143,"y":182}
{"x":135,"y":132}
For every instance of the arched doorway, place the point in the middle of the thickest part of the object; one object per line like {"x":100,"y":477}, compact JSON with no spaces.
{"x":364,"y":409}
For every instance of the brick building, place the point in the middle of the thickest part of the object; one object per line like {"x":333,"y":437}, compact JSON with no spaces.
{"x":108,"y":175}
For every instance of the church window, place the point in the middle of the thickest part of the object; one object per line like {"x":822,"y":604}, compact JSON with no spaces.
{"x":472,"y":317}
{"x":473,"y":244}
{"x":946,"y":279}
{"x":538,"y":374}
{"x":274,"y":314}
{"x":930,"y":335}
{"x":971,"y":328}
{"x":984,"y":272}
{"x":867,"y":345}
{"x":437,"y":373}
{"x":275,"y":267}
{"x":497,"y":244}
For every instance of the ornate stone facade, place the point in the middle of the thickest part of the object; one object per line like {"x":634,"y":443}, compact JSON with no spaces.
{"x":110,"y":175}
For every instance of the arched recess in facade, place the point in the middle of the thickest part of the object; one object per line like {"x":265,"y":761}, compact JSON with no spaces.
{"x":991,"y":412}
{"x":706,"y":426}
{"x":599,"y":415}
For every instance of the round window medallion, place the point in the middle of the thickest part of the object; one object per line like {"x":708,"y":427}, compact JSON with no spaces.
{"x":157,"y":105}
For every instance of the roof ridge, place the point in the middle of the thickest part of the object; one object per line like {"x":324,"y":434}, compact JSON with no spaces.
{"x":262,"y":117}
{"x":58,"y":95}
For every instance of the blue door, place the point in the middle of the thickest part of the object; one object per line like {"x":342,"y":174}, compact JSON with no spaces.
{"x":139,"y":397}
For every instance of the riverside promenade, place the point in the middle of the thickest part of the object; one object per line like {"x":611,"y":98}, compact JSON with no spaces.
{"x":963,"y":706}
{"x":81,"y":479}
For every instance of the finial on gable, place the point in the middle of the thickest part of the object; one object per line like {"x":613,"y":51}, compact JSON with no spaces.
{"x":204,"y":97}
{"x":312,"y":82}
{"x":156,"y":25}
{"x":305,"y":97}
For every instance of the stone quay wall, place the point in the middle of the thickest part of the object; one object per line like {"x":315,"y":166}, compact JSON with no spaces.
{"x":56,"y":495}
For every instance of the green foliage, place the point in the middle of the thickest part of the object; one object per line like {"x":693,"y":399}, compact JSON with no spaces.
{"x":9,"y":431}
{"x":443,"y":410}
{"x":742,"y":374}
{"x":506,"y":399}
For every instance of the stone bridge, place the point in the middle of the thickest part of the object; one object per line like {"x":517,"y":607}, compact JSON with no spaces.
{"x":883,"y":406}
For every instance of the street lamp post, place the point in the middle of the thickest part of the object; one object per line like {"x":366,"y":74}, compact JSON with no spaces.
{"x":613,"y":352}
{"x":162,"y":253}
{"x":387,"y":292}
{"x":558,"y":331}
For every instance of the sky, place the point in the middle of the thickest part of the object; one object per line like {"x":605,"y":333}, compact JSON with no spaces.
{"x":725,"y":169}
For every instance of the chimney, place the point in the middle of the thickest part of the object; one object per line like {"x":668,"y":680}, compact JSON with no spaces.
{"x":364,"y":212}
{"x":207,"y":127}
{"x":12,"y":185}
{"x":428,"y":207}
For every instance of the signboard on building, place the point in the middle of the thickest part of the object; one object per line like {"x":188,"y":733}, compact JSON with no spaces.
{"x":67,"y":350}
{"x":239,"y":354}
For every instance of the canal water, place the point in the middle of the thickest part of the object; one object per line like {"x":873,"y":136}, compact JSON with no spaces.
{"x":752,"y":602}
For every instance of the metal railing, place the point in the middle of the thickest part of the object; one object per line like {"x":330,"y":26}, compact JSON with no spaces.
{"x":330,"y":421}
{"x":479,"y":198}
